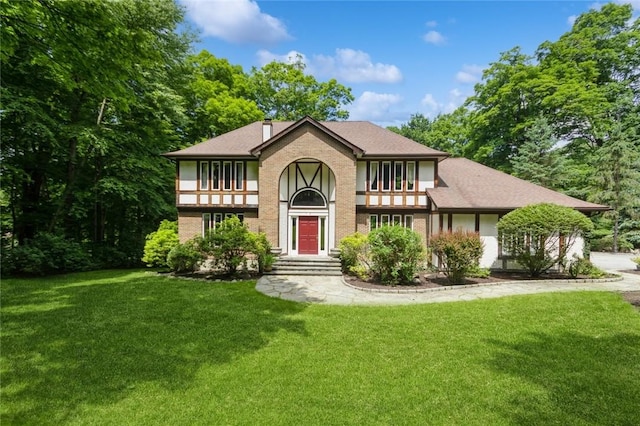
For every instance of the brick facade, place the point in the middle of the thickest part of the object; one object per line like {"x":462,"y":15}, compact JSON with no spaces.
{"x":307,"y":143}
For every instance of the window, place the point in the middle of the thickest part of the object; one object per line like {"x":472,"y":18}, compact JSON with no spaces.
{"x":397,"y":166}
{"x":204,"y":175}
{"x":308,"y":198}
{"x":211,"y":220}
{"x":227,"y":174}
{"x":322,"y":226}
{"x":373,"y":176}
{"x":215,"y":175}
{"x":376,"y":221}
{"x":239,"y":175}
{"x":386,"y":175}
{"x":411,"y":175}
{"x":294,"y":232}
{"x":206,"y":223}
{"x":373,"y":222}
{"x":408,"y":222}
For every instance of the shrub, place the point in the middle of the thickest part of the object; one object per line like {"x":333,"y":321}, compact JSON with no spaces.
{"x":354,"y":255}
{"x":228,"y":243}
{"x":262,"y":249}
{"x":478,"y":272}
{"x":582,"y":266}
{"x":47,"y":254}
{"x":606,"y":244}
{"x":633,"y":237}
{"x":159,"y":244}
{"x":539,"y":236}
{"x":396,"y":254}
{"x":185,"y":257}
{"x":458,"y":253}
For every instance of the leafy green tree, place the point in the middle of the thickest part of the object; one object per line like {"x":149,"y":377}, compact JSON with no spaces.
{"x":458,"y":253}
{"x":218,"y":97}
{"x":539,"y":236}
{"x":538,"y":159}
{"x":446,"y":132}
{"x":284,"y":92}
{"x":588,"y":69}
{"x":504,"y":105}
{"x":88,"y":104}
{"x":396,"y":254}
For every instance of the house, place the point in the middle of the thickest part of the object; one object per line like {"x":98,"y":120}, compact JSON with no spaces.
{"x":308,"y":184}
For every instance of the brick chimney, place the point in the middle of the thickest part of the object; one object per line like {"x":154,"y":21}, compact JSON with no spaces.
{"x":267,"y":129}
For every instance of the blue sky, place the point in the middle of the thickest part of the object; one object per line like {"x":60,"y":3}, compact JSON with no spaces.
{"x":398,"y":57}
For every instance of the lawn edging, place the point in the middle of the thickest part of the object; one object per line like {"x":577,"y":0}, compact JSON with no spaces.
{"x":395,"y":289}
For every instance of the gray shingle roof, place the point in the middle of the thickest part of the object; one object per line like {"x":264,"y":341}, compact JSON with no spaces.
{"x":373,"y":140}
{"x":465,"y":184}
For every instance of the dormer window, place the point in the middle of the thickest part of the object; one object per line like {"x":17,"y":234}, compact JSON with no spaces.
{"x":308,"y":198}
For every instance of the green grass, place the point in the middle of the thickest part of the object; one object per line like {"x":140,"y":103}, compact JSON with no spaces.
{"x":122,"y":347}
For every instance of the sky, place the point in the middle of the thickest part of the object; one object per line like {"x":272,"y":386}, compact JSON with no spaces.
{"x":398,"y":57}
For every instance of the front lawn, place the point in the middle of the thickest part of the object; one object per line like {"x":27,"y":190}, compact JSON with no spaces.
{"x":123,"y":347}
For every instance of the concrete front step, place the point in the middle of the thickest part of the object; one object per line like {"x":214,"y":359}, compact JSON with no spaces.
{"x":307,"y":265}
{"x":307,"y":272}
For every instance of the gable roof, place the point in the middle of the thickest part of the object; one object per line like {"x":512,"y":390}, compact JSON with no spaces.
{"x":361,"y":137}
{"x":467,"y":185}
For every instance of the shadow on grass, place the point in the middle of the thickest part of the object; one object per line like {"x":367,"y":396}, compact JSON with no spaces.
{"x":576,"y":379}
{"x":91,"y":338}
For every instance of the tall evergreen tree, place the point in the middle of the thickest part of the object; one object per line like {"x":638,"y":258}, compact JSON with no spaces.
{"x":538,"y":159}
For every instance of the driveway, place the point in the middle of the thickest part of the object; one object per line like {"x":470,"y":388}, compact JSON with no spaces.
{"x":613,"y":261}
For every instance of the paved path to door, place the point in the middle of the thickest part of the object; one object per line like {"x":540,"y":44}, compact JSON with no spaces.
{"x":334,"y":291}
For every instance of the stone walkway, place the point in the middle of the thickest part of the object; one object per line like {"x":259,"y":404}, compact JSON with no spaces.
{"x":334,"y":290}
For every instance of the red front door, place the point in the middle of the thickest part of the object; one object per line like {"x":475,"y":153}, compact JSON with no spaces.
{"x":308,"y":235}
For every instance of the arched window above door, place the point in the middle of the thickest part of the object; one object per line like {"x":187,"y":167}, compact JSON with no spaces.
{"x":308,"y":198}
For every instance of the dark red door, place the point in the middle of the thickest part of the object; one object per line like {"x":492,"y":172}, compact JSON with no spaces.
{"x":308,"y":235}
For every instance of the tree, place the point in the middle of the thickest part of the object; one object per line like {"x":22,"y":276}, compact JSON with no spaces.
{"x":284,"y":92}
{"x":218,"y":97}
{"x":538,"y":159}
{"x":504,"y":105}
{"x":446,"y":132}
{"x":88,"y":103}
{"x":618,"y":177}
{"x":539,"y":236}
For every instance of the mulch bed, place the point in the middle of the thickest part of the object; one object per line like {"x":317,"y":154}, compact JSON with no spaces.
{"x":439,"y":280}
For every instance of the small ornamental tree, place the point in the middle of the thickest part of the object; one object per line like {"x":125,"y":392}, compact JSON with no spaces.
{"x":396,"y":254}
{"x":539,"y":236}
{"x":160,"y":243}
{"x":458,"y":253}
{"x":228,"y":243}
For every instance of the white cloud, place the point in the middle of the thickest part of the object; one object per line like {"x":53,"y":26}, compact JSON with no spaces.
{"x":264,"y":57}
{"x":236,"y":21}
{"x":469,"y":74}
{"x":572,"y":19}
{"x":431,"y":24}
{"x":347,"y":65}
{"x":431,"y":107}
{"x":434,"y":37}
{"x":371,"y":106}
